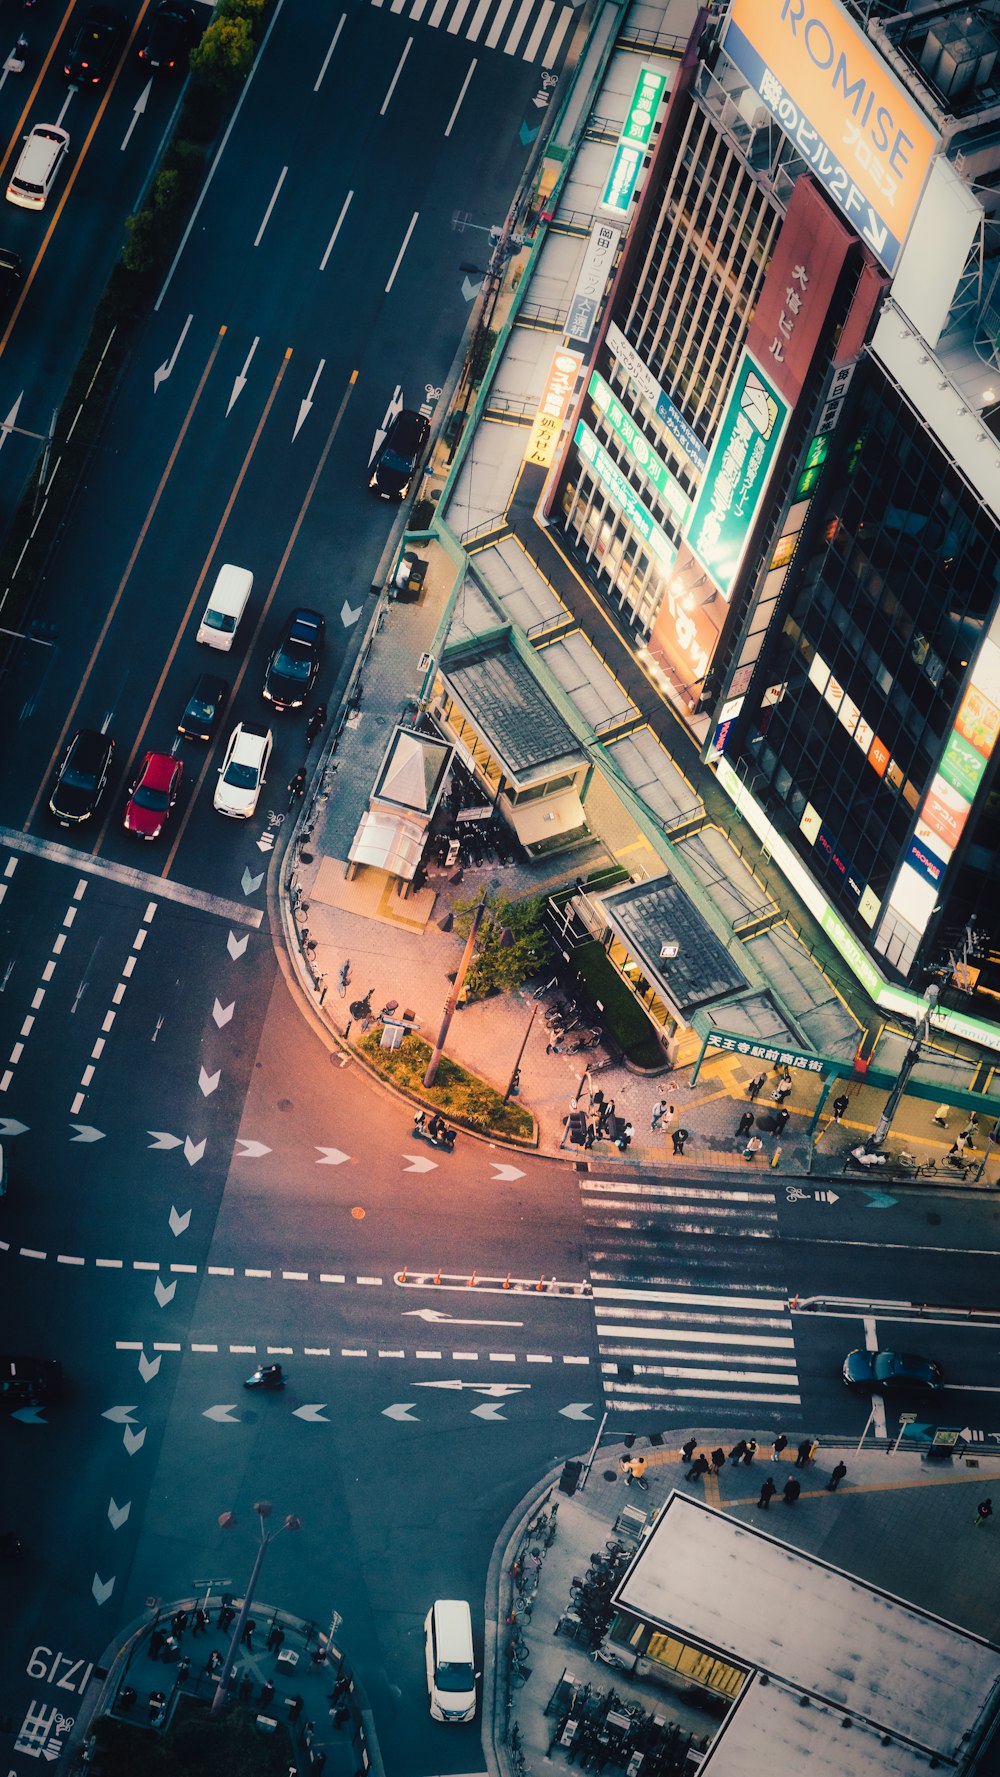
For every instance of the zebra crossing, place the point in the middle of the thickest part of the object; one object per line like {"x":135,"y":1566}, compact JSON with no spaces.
{"x":534,"y":30}
{"x":689,"y":1301}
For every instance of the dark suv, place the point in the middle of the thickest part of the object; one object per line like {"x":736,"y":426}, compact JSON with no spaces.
{"x":81,"y":777}
{"x":95,"y":46}
{"x":294,"y":663}
{"x":398,"y":455}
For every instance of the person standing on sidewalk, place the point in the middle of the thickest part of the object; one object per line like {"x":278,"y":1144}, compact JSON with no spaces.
{"x":803,"y":1455}
{"x":780,"y":1119}
{"x":755,"y":1086}
{"x":783,"y":1088}
{"x":984,"y":1512}
{"x":750,"y":1452}
{"x":745,"y":1124}
{"x":688,"y":1450}
{"x":767,"y":1493}
{"x":839,"y":1107}
{"x":792,"y":1489}
{"x":836,"y":1477}
{"x":754,"y":1147}
{"x":698,"y":1468}
{"x":678,"y":1138}
{"x":315,"y":723}
{"x":780,"y":1444}
{"x":624,"y":1141}
{"x":737,"y":1452}
{"x":660,"y":1110}
{"x":718,"y":1460}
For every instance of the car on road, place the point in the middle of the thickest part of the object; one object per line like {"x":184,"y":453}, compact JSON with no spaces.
{"x":243,"y":771}
{"x":153,"y":795}
{"x":451,"y":1673}
{"x":24,"y":1380}
{"x":44,"y":149}
{"x":173,"y":31}
{"x":398,"y":454}
{"x":294,"y":664}
{"x":81,"y":777}
{"x":204,"y":708}
{"x":891,"y":1372}
{"x":95,"y":47}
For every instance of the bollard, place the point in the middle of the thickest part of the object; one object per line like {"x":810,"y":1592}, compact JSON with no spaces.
{"x":775,"y":1157}
{"x":540,"y":1285}
{"x":506,"y":1281}
{"x":472,"y":1281}
{"x":402,"y":1275}
{"x":437,"y":1279}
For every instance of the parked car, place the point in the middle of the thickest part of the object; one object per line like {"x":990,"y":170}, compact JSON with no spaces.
{"x":173,"y":32}
{"x":294,"y":663}
{"x":95,"y":47}
{"x":153,"y":795}
{"x":398,"y":454}
{"x":891,"y":1372}
{"x":243,"y":771}
{"x":204,"y":708}
{"x":81,"y":777}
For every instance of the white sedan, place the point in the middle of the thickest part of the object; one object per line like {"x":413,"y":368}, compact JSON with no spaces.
{"x":243,"y":772}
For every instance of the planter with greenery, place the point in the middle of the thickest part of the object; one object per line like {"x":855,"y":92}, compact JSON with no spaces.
{"x":456,"y":1093}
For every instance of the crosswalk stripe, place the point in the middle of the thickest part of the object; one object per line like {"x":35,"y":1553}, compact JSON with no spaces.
{"x":517,"y":31}
{"x":493,"y":36}
{"x":621,"y":1391}
{"x":696,"y":1375}
{"x":619,"y":1187}
{"x":552,"y":47}
{"x":531,"y":47}
{"x":778,"y":1362}
{"x":440,"y":8}
{"x":692,"y":1299}
{"x":455,"y":22}
{"x":682,"y":1333}
{"x":472,"y":34}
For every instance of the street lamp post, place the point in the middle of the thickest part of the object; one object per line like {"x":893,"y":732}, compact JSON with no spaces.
{"x":227,"y":1521}
{"x":910,"y":1059}
{"x":456,"y":988}
{"x":524,"y":1044}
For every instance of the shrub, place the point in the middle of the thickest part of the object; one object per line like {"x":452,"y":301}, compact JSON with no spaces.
{"x":462,"y":1095}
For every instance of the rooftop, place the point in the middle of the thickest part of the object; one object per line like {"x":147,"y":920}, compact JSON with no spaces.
{"x":509,"y":708}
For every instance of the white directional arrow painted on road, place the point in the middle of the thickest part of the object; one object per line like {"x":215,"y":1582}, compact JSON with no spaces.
{"x":149,"y":1366}
{"x":179,"y":1223}
{"x":499,"y":1390}
{"x":266,"y":842}
{"x":576,"y":1410}
{"x":453,"y":1320}
{"x":505,"y":1174}
{"x":164,"y":1292}
{"x":209,"y":1083}
{"x":312,"y":1412}
{"x":102,"y":1589}
{"x":331,"y":1156}
{"x":471,"y":289}
{"x":419,"y":1163}
{"x":160,"y":376}
{"x":222,"y":1014}
{"x":400,"y":1410}
{"x":137,"y":110}
{"x":86,"y":1132}
{"x":133,"y":1440}
{"x":117,"y":1515}
{"x":252,"y":1150}
{"x":194,"y":1150}
{"x":349,"y":615}
{"x":240,"y":382}
{"x":250,"y":884}
{"x":11,"y":1126}
{"x":222,"y":1413}
{"x":305,"y":407}
{"x":489,"y":1410}
{"x":29,"y":1415}
{"x":7,"y":425}
{"x":120,"y":1415}
{"x":236,"y":946}
{"x":162,"y":1139}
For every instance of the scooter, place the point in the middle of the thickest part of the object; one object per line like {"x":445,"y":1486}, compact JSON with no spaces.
{"x":444,"y":1139}
{"x":17,"y":60}
{"x":266,"y":1376}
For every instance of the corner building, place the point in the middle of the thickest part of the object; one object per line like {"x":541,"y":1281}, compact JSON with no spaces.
{"x":784,"y":473}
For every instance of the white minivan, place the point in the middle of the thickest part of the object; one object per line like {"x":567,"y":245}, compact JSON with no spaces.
{"x":40,"y":160}
{"x":451,"y":1674}
{"x":225,"y":607}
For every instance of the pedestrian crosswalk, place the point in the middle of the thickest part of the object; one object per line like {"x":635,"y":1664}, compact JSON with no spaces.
{"x":534,"y":30}
{"x":689,"y":1303}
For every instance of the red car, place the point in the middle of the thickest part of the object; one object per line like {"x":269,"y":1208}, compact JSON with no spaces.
{"x":153,"y":795}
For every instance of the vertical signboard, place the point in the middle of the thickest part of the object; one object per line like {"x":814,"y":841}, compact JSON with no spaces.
{"x":594,"y":274}
{"x":633,"y":142}
{"x":808,"y":259}
{"x":553,"y":408}
{"x":739,"y":468}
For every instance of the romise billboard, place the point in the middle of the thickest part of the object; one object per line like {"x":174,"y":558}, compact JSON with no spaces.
{"x":858,"y":130}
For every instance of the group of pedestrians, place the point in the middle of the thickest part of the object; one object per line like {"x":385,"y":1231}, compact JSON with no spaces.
{"x":742,"y":1454}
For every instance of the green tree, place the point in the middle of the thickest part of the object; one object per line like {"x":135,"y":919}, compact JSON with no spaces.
{"x":511,"y":945}
{"x":223,"y":57}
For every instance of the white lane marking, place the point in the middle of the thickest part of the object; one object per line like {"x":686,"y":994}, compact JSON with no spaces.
{"x":126,"y":875}
{"x":517,"y":29}
{"x":454,"y":23}
{"x":329,"y":53}
{"x":531,"y":47}
{"x":370,"y":1280}
{"x":399,"y":69}
{"x":437,"y":13}
{"x":282,"y":176}
{"x":774,"y":1304}
{"x":332,"y":1277}
{"x":499,"y":20}
{"x":696,"y":1375}
{"x":140,"y":938}
{"x":691,"y":1338}
{"x":621,"y":1390}
{"x":58,"y":945}
{"x":402,"y":250}
{"x":465,"y":86}
{"x":332,"y":241}
{"x":69,"y":1259}
{"x":130,"y":962}
{"x":477,"y":20}
{"x":620,"y":1188}
{"x":554,"y":42}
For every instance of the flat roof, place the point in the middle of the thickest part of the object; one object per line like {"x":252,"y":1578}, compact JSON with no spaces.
{"x":647,"y":915}
{"x":818,"y":1631}
{"x":509,"y":708}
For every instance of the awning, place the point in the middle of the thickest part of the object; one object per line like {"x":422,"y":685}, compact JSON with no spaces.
{"x":560,"y":816}
{"x":388,"y":842}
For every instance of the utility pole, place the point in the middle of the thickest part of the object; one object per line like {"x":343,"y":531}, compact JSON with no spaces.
{"x":910,"y":1059}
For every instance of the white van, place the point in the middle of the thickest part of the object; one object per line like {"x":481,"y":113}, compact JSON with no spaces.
{"x":41,"y":158}
{"x":451,"y":1675}
{"x":225,"y":607}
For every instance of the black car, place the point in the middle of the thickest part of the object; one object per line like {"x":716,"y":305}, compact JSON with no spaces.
{"x":294,"y":663}
{"x":95,"y":46}
{"x":29,"y":1379}
{"x":82,"y":776}
{"x":398,"y":455}
{"x":173,"y":30}
{"x":204,"y":708}
{"x":891,"y":1372}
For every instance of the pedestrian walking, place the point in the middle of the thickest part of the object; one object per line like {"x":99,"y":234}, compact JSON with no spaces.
{"x":792,"y":1489}
{"x":718,"y":1460}
{"x":596,"y":1101}
{"x":802,"y":1453}
{"x":202,"y":1622}
{"x":660,"y":1110}
{"x":836,"y":1477}
{"x":688,"y":1449}
{"x":227,"y":1616}
{"x":745,"y":1124}
{"x":971,"y":1126}
{"x":316,"y":721}
{"x":839,"y":1107}
{"x":984,"y":1512}
{"x":755,"y":1086}
{"x":754,"y":1147}
{"x":783,"y":1088}
{"x":266,"y":1693}
{"x":678,"y":1138}
{"x":780,"y":1444}
{"x":698,"y":1468}
{"x":178,"y":1623}
{"x":184,"y":1670}
{"x":213,"y":1662}
{"x":767,"y":1493}
{"x":750,"y":1452}
{"x":606,"y":1113}
{"x":246,"y":1639}
{"x":297,"y":787}
{"x":590,"y":1137}
{"x":780,"y":1119}
{"x":736,"y":1453}
{"x":624,"y":1141}
{"x":157,"y":1642}
{"x":275,"y":1638}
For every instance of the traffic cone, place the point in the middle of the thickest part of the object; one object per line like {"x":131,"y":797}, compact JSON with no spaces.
{"x":402,"y":1275}
{"x":506,"y":1281}
{"x":438,"y":1277}
{"x":472,"y":1281}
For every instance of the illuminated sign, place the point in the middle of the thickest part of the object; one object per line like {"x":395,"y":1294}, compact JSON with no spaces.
{"x":857,"y":129}
{"x":650,"y":390}
{"x":590,"y":285}
{"x":633,"y":142}
{"x":553,"y":408}
{"x":739,"y":468}
{"x":684,"y":636}
{"x":640,"y":450}
{"x":616,"y":484}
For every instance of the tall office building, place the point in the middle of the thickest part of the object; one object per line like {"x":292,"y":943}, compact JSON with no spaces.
{"x":784,"y":472}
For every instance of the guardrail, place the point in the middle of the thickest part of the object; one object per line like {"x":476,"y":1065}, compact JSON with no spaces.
{"x":925,"y":1310}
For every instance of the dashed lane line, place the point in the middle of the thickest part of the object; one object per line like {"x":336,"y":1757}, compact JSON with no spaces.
{"x":201,"y":1348}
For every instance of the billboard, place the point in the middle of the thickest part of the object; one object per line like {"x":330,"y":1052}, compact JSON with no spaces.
{"x":633,"y":142}
{"x":597,"y":267}
{"x":808,"y":258}
{"x":858,"y":130}
{"x":651,"y":391}
{"x":638,"y":448}
{"x":685,"y":637}
{"x":624,"y":495}
{"x":553,"y":407}
{"x":739,"y":467}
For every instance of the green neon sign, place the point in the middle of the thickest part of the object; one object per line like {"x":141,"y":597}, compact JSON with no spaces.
{"x":639,"y":449}
{"x":739,"y":468}
{"x":616,"y":484}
